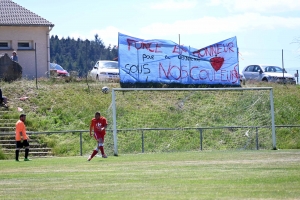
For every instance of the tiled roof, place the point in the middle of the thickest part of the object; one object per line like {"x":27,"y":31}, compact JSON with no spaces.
{"x":12,"y":14}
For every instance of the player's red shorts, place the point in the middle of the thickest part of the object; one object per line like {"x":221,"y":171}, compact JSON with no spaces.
{"x":98,"y":136}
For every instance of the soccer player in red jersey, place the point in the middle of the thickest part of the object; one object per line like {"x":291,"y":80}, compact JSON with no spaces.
{"x":98,"y":124}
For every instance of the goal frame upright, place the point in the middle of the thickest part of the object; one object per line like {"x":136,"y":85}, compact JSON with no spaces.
{"x":114,"y":109}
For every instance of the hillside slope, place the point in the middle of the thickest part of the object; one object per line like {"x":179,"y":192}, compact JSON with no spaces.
{"x":57,"y":105}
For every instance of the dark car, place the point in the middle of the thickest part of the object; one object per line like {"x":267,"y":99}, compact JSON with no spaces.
{"x":58,"y":70}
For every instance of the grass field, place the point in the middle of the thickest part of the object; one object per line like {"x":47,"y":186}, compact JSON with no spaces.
{"x":185,"y":175}
{"x":57,"y":105}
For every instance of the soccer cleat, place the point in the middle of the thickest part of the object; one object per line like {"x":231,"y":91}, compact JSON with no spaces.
{"x":27,"y":159}
{"x":17,"y":161}
{"x":104,"y":156}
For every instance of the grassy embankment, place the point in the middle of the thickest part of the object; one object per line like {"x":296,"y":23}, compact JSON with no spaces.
{"x":62,"y":106}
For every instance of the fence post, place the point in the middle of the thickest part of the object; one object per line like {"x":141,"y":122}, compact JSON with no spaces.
{"x":80,"y":143}
{"x":142,"y":141}
{"x":201,"y":139}
{"x":256,"y":138}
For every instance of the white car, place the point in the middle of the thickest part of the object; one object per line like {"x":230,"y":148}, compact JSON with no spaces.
{"x":268,"y":73}
{"x":106,"y":70}
{"x":242,"y":78}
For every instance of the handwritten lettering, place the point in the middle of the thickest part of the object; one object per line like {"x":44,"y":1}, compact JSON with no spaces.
{"x":188,"y":58}
{"x":148,"y":57}
{"x":139,"y":69}
{"x":214,"y":50}
{"x":173,"y":72}
{"x":139,"y":45}
{"x":179,"y":49}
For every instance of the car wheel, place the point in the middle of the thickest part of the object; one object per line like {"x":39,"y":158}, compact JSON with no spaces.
{"x":265,"y":80}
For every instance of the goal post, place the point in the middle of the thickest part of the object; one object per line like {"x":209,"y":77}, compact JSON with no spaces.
{"x":178,"y":108}
{"x":273,"y":120}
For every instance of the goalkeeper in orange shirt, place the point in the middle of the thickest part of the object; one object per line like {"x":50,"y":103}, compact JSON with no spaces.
{"x":21,"y":138}
{"x":98,"y":124}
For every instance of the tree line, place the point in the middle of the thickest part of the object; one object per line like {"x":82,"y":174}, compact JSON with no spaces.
{"x":80,"y":55}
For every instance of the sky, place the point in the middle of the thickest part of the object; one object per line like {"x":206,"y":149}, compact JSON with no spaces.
{"x":267,"y":31}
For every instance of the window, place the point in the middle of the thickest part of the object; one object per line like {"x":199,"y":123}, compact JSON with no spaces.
{"x":249,"y":68}
{"x":24,"y":45}
{"x":5,"y":44}
{"x":255,"y":69}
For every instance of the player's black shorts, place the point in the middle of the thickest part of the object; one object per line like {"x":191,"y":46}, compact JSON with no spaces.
{"x":20,"y":144}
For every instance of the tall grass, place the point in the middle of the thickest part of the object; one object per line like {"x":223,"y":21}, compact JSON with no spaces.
{"x":59,"y":105}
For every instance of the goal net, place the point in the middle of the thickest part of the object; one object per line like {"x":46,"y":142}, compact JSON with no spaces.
{"x":187,"y":119}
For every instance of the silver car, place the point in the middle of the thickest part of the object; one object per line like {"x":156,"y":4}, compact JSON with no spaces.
{"x":242,"y":78}
{"x":268,"y":73}
{"x":105,"y":70}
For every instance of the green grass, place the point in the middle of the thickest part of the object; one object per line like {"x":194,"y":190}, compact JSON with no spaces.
{"x":184,"y":175}
{"x":59,"y":105}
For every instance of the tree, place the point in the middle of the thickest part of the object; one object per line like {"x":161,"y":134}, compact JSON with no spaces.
{"x":80,"y":55}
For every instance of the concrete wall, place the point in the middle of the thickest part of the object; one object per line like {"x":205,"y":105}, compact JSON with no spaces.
{"x":37,"y":35}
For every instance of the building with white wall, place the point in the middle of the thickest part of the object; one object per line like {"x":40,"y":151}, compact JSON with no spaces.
{"x":28,"y":34}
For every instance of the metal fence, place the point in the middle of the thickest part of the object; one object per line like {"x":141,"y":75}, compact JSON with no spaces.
{"x":199,"y":138}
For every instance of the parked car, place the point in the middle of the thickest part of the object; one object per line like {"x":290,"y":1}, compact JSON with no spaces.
{"x":58,"y":70}
{"x":105,"y":70}
{"x":268,"y":73}
{"x":242,"y":78}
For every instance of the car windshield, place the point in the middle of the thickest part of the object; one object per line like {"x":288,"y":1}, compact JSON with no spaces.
{"x":111,"y":65}
{"x":58,"y":67}
{"x":274,"y":69}
{"x":54,"y":66}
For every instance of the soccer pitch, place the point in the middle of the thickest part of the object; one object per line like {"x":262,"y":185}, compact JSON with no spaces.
{"x":185,"y":175}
